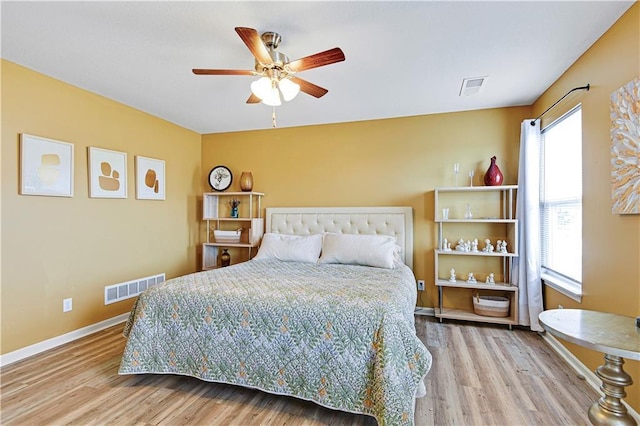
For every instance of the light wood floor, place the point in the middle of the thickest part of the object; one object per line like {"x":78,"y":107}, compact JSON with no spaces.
{"x":481,"y":375}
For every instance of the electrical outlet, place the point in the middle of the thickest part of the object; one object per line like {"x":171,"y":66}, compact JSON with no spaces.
{"x":421,"y":285}
{"x":67,"y":305}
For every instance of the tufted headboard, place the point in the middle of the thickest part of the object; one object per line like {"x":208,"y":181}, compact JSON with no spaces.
{"x":396,"y":221}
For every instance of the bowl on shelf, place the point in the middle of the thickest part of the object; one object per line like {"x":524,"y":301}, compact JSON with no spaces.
{"x":227,"y":237}
{"x":490,"y":306}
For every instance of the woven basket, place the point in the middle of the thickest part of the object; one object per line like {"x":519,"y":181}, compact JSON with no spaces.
{"x":226,"y":237}
{"x":490,"y":306}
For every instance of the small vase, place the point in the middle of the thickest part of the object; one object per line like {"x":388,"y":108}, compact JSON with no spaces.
{"x":225,"y":258}
{"x":234,"y":212}
{"x":246,"y":181}
{"x":493,"y":177}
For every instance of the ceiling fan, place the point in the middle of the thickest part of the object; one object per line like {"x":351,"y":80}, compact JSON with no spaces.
{"x":277,"y":72}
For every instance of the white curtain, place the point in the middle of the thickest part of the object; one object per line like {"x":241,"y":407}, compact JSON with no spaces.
{"x":526,"y":267}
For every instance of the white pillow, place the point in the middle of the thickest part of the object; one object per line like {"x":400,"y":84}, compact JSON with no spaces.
{"x":292,"y":248}
{"x":369,"y":250}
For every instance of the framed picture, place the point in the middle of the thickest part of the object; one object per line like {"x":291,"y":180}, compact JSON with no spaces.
{"x":107,"y":173}
{"x":625,"y":148}
{"x":46,"y":167}
{"x":149,"y":179}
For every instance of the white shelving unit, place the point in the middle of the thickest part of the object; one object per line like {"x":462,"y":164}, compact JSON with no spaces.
{"x":495,"y":221}
{"x":216,"y":212}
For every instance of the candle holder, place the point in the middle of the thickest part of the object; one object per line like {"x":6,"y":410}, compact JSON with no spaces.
{"x":456,"y":170}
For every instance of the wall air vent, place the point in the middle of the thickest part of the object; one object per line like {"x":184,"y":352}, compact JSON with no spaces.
{"x":117,"y":292}
{"x":473,"y":86}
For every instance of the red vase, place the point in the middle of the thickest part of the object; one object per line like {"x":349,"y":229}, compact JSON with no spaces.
{"x":493,"y":177}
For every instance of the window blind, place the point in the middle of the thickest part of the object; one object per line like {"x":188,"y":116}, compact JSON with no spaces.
{"x":561,"y":197}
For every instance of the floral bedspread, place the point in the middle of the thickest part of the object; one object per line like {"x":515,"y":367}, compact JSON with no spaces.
{"x":342,"y":336}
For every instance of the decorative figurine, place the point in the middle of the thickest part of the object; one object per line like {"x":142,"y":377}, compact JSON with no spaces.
{"x":471,"y":278}
{"x":446,"y":245}
{"x":471,"y":175}
{"x":490,"y":279}
{"x":502,"y":247}
{"x":474,"y":245}
{"x":488,"y":247}
{"x":463,"y":246}
{"x":452,"y":275}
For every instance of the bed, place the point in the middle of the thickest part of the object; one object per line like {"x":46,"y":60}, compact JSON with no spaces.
{"x":319,"y":314}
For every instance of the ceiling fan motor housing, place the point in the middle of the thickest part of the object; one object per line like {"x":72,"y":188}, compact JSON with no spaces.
{"x":272,"y":40}
{"x":279,"y":60}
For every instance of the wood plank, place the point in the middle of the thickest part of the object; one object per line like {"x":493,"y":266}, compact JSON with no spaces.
{"x":481,"y":374}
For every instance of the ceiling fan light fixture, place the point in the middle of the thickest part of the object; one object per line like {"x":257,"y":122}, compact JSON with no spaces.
{"x":273,"y":96}
{"x":261,"y":87}
{"x":268,"y":89}
{"x":289,"y":89}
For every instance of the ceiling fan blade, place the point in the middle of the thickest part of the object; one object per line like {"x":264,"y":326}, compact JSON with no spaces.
{"x":253,"y":99}
{"x":253,"y":41}
{"x":327,"y":57}
{"x":200,"y":71}
{"x":309,"y":88}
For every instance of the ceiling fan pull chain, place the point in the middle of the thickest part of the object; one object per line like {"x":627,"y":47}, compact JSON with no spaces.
{"x":273,"y":117}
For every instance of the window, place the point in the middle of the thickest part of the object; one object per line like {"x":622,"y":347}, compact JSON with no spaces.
{"x":561,"y":204}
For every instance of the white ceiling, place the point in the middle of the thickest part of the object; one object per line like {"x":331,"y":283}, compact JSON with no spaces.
{"x":402,"y":58}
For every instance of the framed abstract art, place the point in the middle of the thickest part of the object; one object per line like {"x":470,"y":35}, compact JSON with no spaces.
{"x":150,"y":178}
{"x":625,"y":148}
{"x":107,"y":173}
{"x":46,"y":167}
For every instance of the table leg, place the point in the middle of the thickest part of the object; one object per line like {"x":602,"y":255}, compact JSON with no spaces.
{"x":609,"y":410}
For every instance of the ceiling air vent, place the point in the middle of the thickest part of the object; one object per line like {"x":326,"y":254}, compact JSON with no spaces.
{"x":472,"y":86}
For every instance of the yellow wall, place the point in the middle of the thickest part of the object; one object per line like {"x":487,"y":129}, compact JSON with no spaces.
{"x":394,"y":162}
{"x":611,"y":243}
{"x":53,"y":247}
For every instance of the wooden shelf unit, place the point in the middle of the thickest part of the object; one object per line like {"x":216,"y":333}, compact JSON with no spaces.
{"x":499,"y":214}
{"x":216,"y":214}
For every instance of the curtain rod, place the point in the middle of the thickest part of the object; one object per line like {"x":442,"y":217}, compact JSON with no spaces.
{"x":587,"y":87}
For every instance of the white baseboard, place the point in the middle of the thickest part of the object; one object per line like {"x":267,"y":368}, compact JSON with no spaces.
{"x":589,"y":376}
{"x":424,"y":311}
{"x":37,"y":348}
